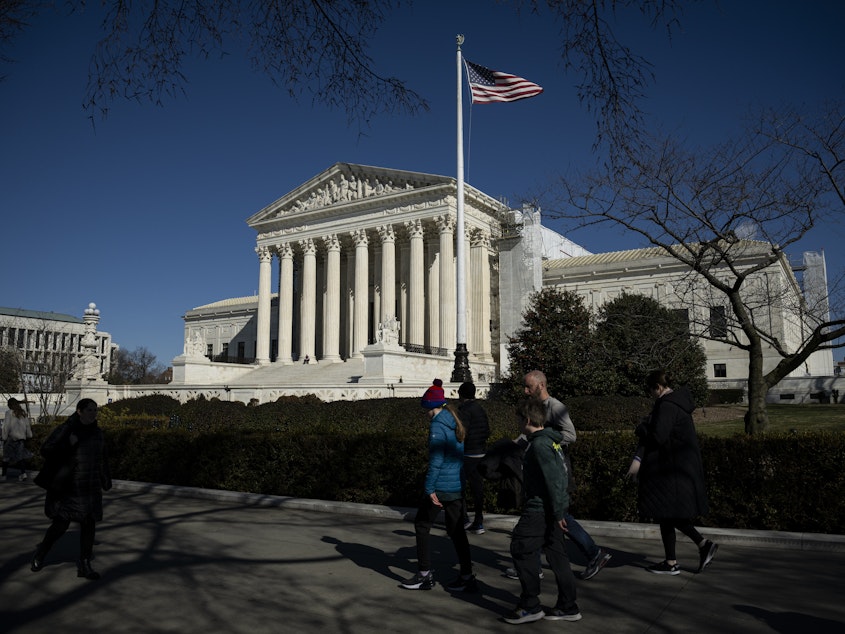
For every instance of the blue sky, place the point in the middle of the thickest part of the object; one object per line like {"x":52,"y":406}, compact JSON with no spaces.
{"x":145,"y":215}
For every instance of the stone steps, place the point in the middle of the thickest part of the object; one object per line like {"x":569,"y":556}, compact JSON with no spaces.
{"x":324,"y":373}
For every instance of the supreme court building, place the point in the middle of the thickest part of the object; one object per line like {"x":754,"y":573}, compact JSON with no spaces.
{"x":356,"y":274}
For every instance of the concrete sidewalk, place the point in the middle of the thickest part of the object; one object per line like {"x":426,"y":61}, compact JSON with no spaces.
{"x":186,"y":560}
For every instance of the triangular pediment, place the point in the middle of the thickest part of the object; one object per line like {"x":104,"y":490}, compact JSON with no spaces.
{"x":345,"y":184}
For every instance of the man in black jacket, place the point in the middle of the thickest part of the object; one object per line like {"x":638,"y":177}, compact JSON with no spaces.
{"x":475,"y":421}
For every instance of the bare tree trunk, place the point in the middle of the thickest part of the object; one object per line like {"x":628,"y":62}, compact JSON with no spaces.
{"x":756,"y":418}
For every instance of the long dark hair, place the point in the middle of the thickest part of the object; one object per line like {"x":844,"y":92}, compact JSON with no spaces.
{"x":460,"y":430}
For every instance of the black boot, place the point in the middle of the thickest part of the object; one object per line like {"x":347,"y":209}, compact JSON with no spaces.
{"x":38,"y":558}
{"x":84,"y":569}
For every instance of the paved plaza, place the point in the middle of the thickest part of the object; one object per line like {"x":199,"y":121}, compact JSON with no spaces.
{"x":182,"y":560}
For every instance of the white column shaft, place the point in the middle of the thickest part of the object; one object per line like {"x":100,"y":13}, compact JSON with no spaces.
{"x":359,"y":335}
{"x":331,"y":323}
{"x":285,"y":304}
{"x":265,"y":260}
{"x":416,"y":291}
{"x":308,"y":303}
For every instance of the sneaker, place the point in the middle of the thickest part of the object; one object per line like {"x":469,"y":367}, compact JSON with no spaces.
{"x":418,"y":582}
{"x":467,"y":523}
{"x":22,"y":478}
{"x":478,"y":529}
{"x":706,"y":554}
{"x":524,"y":616}
{"x":510,"y":573}
{"x":463,"y":585}
{"x":598,"y":562}
{"x":557,"y":614}
{"x":663,"y":568}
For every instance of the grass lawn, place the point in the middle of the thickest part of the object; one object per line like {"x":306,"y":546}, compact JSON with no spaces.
{"x":726,"y":420}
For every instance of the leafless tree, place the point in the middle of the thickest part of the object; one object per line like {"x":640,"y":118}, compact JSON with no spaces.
{"x":135,"y":367}
{"x":729,"y":214}
{"x":319,"y":48}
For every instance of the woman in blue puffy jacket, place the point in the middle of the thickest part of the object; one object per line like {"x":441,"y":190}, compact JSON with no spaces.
{"x":443,"y":491}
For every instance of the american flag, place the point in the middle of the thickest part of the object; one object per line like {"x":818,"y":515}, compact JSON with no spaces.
{"x":489,"y":86}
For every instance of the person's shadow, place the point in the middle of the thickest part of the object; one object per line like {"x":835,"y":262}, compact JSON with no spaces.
{"x":494,"y":599}
{"x":366,"y":557}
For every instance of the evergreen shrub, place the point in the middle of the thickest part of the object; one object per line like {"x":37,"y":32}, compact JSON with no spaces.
{"x":375,"y":452}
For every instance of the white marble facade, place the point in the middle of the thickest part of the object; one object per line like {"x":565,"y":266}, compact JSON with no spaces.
{"x":353,"y":255}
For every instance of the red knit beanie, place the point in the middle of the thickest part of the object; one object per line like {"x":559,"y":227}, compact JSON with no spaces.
{"x":433,"y":396}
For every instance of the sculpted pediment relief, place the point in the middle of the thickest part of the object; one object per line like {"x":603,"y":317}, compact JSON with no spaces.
{"x":343,"y":189}
{"x":348,"y":183}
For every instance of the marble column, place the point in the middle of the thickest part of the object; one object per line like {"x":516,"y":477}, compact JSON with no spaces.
{"x":416,"y":289}
{"x":432,"y":288}
{"x":479,"y":288}
{"x":388,"y":273}
{"x":331,"y":318}
{"x":285,"y":253}
{"x":308,"y":303}
{"x":404,"y":259}
{"x":265,"y":260}
{"x":448,"y":308}
{"x":359,"y":328}
{"x":349,"y":301}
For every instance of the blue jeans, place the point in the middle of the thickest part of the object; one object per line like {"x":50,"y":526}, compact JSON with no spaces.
{"x":581,"y":538}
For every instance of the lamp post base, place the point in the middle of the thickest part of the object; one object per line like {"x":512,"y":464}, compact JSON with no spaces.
{"x":461,"y":372}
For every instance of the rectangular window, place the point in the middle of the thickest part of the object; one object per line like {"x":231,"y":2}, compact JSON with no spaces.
{"x":225,"y":353}
{"x":209,"y":351}
{"x":241,"y":350}
{"x":683,"y":318}
{"x":720,"y":370}
{"x":718,"y":322}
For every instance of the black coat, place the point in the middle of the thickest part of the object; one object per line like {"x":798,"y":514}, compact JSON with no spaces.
{"x":75,"y":471}
{"x":503,"y":464}
{"x":671,"y":475}
{"x":474,"y":419}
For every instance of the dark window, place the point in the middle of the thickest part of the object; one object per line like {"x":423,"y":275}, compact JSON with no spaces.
{"x":209,"y":350}
{"x":720,"y":370}
{"x":718,"y":322}
{"x":683,"y":318}
{"x":241,"y":350}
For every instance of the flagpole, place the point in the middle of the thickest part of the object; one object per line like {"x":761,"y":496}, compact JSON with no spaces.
{"x":461,"y":371}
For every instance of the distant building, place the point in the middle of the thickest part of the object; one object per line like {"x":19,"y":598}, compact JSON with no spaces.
{"x":51,"y":345}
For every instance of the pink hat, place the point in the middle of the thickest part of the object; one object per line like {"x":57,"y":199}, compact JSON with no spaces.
{"x":434,"y":396}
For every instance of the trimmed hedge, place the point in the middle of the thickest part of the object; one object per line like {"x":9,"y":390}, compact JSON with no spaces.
{"x":375,"y":452}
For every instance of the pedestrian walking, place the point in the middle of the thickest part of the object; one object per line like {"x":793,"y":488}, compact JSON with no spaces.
{"x":542,"y":524}
{"x":670,"y":472}
{"x":442,"y":492}
{"x":557,"y":416}
{"x":474,"y":419}
{"x":75,"y":474}
{"x":16,"y":431}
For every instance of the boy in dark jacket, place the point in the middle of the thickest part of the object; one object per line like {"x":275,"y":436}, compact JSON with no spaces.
{"x":542,"y":524}
{"x":475,"y":420}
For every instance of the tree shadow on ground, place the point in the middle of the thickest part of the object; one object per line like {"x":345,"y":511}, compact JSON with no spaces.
{"x":793,"y":622}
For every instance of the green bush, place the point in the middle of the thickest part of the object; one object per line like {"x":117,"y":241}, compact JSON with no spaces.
{"x":375,"y":452}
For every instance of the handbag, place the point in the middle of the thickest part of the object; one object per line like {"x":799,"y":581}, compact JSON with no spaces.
{"x":56,"y":476}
